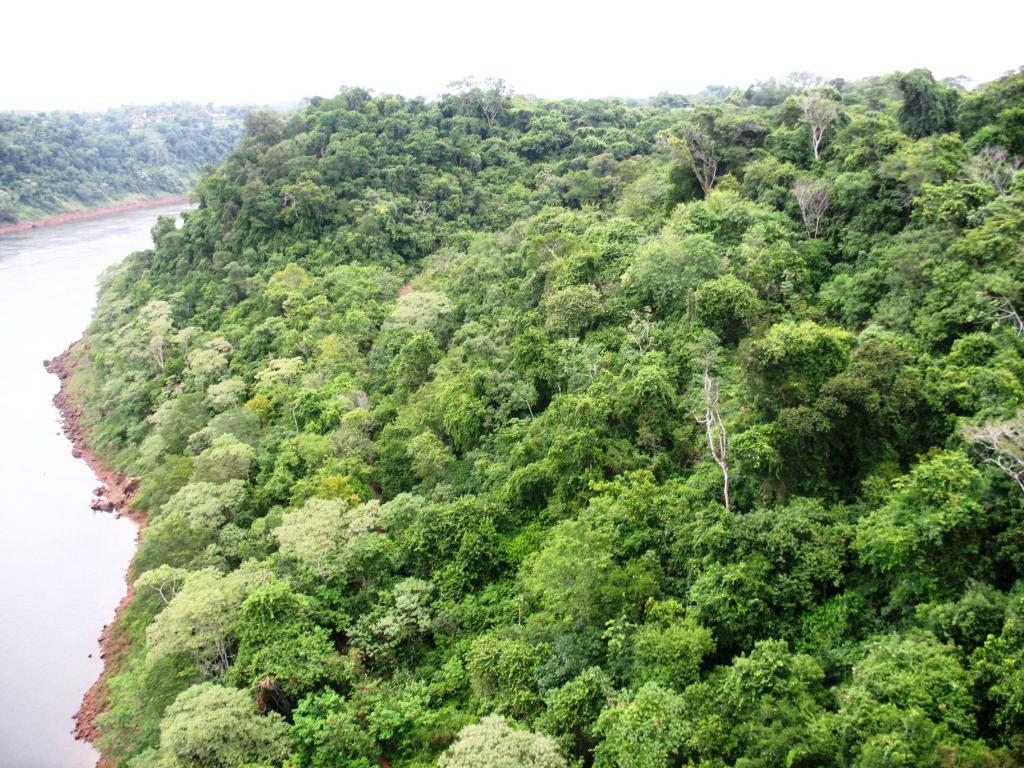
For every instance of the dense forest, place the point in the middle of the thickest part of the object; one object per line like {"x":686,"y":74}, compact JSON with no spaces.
{"x":51,"y":162}
{"x":496,"y":431}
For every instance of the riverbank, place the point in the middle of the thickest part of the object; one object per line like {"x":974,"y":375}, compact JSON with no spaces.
{"x":93,"y":213}
{"x":114,"y":494}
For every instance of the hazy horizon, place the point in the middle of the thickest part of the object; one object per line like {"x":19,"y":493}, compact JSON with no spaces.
{"x":115,"y":53}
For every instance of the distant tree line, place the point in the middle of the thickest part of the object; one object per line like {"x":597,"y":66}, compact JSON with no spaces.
{"x":52,"y":162}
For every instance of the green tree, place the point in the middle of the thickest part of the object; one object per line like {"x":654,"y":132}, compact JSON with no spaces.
{"x":571,"y":310}
{"x":571,"y":712}
{"x":762,"y":707}
{"x":206,"y":505}
{"x":793,"y":360}
{"x":210,"y":726}
{"x":669,"y":648}
{"x":199,"y":620}
{"x":278,"y":641}
{"x":493,"y":743}
{"x":225,"y":460}
{"x":727,"y":306}
{"x":645,"y":730}
{"x":928,"y":535}
{"x":928,"y":107}
{"x":908,"y":701}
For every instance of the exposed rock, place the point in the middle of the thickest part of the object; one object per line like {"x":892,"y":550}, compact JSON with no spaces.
{"x":114,"y":494}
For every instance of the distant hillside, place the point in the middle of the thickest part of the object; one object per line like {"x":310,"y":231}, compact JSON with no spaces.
{"x":52,"y":162}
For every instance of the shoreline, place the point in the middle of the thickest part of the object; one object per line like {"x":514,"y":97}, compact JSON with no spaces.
{"x":114,"y":494}
{"x":93,"y":213}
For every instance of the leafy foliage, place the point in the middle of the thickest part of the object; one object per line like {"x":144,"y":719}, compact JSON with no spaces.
{"x":419,"y":394}
{"x":52,"y":162}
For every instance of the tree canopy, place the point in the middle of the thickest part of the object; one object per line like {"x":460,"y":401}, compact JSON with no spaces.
{"x":52,"y":162}
{"x":492,"y":430}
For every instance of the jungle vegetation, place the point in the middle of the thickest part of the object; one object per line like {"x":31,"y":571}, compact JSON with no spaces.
{"x":496,"y":431}
{"x":52,"y":162}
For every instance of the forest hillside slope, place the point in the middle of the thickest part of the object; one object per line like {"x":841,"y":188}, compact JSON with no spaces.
{"x":494,"y":431}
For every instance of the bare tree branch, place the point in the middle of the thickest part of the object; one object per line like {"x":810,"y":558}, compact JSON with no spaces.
{"x":803,"y":80}
{"x":697,"y":150}
{"x":1001,"y":443}
{"x":718,"y":436}
{"x":814,"y":197}
{"x":994,"y":166}
{"x":820,"y":111}
{"x":490,"y":96}
{"x":1002,"y":308}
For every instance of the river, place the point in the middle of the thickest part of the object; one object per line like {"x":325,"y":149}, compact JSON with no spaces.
{"x":62,"y":565}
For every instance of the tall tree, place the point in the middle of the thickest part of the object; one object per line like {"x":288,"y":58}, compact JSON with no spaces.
{"x":714,"y":427}
{"x":820,"y":112}
{"x":1001,"y":443}
{"x":813,"y":195}
{"x":928,"y":107}
{"x":696,"y":149}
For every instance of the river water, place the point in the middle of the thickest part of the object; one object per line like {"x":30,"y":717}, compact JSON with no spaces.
{"x":61,"y":565}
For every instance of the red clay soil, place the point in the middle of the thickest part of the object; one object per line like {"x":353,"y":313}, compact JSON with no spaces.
{"x":114,"y":494}
{"x":64,"y":218}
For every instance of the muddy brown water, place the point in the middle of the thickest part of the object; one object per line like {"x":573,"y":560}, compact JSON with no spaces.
{"x":61,"y":564}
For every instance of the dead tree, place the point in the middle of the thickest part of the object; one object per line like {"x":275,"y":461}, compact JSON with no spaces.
{"x":165,"y":581}
{"x":639,"y":329}
{"x":1003,"y":309}
{"x":814,"y":197}
{"x":704,"y":161}
{"x":718,"y":436}
{"x":490,"y":96}
{"x":994,"y":166}
{"x":803,"y":80}
{"x":820,"y":112}
{"x":492,"y":100}
{"x":155,"y":350}
{"x":696,"y":149}
{"x":1001,"y":443}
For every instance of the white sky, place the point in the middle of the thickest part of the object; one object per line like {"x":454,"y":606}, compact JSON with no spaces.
{"x":92,"y":55}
